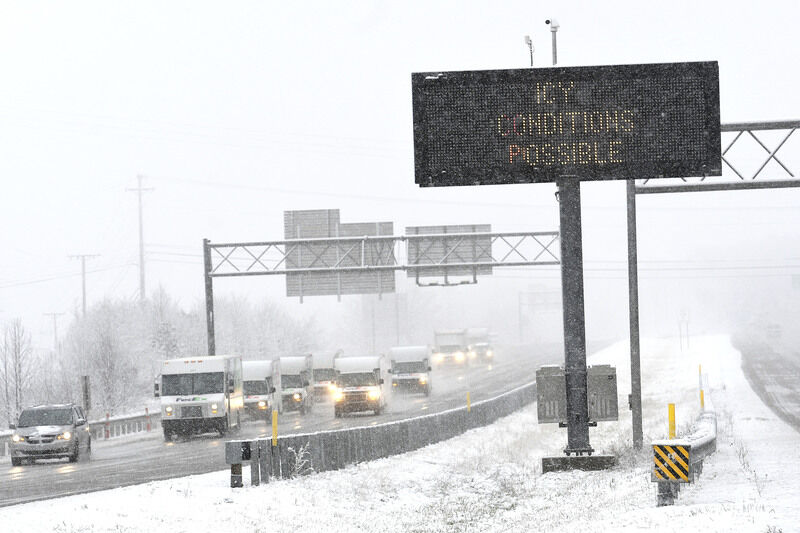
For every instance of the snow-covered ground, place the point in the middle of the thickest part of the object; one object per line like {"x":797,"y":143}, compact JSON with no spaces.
{"x":490,"y":479}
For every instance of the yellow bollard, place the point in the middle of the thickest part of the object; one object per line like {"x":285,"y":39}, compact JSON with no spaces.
{"x":702,"y":401}
{"x":468,"y":404}
{"x":274,"y":427}
{"x":671,"y":420}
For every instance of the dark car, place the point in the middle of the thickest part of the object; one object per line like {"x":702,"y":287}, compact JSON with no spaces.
{"x":50,"y":431}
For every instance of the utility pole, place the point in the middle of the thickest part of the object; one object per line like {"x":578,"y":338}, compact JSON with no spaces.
{"x":140,"y":190}
{"x":55,"y":332}
{"x":83,"y":257}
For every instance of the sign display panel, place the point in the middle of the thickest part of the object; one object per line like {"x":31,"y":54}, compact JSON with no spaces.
{"x":442,"y":250}
{"x":589,"y":123}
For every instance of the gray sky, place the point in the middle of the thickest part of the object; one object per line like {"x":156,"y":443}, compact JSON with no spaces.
{"x":237,"y":112}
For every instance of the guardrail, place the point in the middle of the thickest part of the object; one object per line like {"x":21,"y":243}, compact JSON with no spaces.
{"x":293,"y":455}
{"x":679,"y":461}
{"x":107,"y":428}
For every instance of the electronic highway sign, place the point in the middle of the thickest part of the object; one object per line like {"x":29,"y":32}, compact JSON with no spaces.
{"x":590,"y":123}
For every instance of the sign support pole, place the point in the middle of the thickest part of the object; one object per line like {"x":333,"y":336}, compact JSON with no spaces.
{"x":209,"y":285}
{"x":633,"y":317}
{"x":569,"y":197}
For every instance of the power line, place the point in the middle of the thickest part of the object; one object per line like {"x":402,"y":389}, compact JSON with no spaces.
{"x":60,"y":276}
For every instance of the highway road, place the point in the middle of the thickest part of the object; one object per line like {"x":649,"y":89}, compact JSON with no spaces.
{"x":774,"y":374}
{"x":144,"y":457}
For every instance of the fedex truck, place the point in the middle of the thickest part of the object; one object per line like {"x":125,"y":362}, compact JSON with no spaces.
{"x":297,"y":383}
{"x":362,"y":384}
{"x":324,"y":373}
{"x":262,"y":386}
{"x":200,"y":394}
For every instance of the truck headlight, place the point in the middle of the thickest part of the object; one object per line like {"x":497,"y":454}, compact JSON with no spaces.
{"x":423,"y":380}
{"x":332,"y":387}
{"x":438,"y":357}
{"x":338,"y":395}
{"x":213,"y":408}
{"x":262,"y":404}
{"x":489,"y":353}
{"x":297,"y":397}
{"x":65,"y":436}
{"x":17,"y":438}
{"x":459,"y":357}
{"x":374,"y":394}
{"x":168,"y":410}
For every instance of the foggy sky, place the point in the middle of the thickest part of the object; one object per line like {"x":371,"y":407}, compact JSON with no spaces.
{"x":235,"y":113}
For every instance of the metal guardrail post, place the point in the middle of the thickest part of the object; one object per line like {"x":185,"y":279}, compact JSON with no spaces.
{"x":255,"y":462}
{"x":107,"y":433}
{"x":264,"y":455}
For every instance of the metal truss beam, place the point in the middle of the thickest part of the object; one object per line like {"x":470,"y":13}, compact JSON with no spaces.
{"x":379,"y":253}
{"x":735,"y":176}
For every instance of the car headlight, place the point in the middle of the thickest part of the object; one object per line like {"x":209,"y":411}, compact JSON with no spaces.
{"x":459,"y":356}
{"x":17,"y":438}
{"x":374,"y":394}
{"x":297,"y":397}
{"x":262,"y":404}
{"x":168,"y":410}
{"x":65,"y":436}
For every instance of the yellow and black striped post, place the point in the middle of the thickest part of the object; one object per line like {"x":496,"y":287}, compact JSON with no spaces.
{"x":671,"y":463}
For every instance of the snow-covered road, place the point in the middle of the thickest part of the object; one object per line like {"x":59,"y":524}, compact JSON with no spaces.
{"x":490,"y":479}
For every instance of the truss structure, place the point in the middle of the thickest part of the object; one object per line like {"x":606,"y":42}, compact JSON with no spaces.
{"x":383,"y":253}
{"x":751,"y":160}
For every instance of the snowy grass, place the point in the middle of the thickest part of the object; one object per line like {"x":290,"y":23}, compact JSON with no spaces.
{"x":490,"y":479}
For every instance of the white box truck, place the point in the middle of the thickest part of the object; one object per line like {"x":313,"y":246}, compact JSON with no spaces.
{"x":362,"y":384}
{"x":478,"y":344}
{"x":262,"y":385}
{"x":449,"y":348}
{"x":200,"y":394}
{"x":297,"y":383}
{"x":324,"y":373}
{"x":411,"y":369}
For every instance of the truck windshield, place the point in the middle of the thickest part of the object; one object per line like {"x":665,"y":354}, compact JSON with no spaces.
{"x":291,"y":381}
{"x":324,"y":374}
{"x":256,"y":387}
{"x":450,"y":348}
{"x":408,"y":367}
{"x":360,"y":379}
{"x":181,"y":384}
{"x":45,"y":417}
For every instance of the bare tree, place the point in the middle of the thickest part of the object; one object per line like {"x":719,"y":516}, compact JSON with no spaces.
{"x":17,"y":367}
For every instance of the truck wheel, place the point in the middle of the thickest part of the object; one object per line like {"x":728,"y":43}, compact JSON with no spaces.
{"x":427,"y":391}
{"x":337,"y":412}
{"x":16,"y":461}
